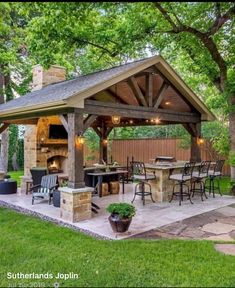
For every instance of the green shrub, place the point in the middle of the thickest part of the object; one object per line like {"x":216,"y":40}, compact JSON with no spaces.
{"x":124,"y":210}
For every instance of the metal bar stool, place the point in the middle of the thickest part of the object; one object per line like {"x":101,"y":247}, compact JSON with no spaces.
{"x":213,"y":176}
{"x":198,"y":177}
{"x":139,"y":173}
{"x":182,"y":178}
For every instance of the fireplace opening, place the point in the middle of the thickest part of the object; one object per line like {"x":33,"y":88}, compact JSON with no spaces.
{"x":57,"y":164}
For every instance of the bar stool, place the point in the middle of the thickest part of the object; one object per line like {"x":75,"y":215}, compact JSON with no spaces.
{"x":214,"y":174}
{"x":182,"y":178}
{"x":197,"y":179}
{"x":139,"y":173}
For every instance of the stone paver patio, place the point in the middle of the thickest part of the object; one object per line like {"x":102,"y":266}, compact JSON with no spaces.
{"x":154,"y":220}
{"x":216,"y":225}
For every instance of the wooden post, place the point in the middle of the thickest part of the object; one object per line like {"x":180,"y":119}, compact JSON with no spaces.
{"x":195,"y":132}
{"x":75,"y":151}
{"x":195,"y":146}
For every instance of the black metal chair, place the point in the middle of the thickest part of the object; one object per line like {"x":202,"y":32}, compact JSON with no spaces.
{"x":45,"y":190}
{"x":37,"y":174}
{"x":182,"y":178}
{"x":213,"y":177}
{"x":139,"y":174}
{"x":198,"y":179}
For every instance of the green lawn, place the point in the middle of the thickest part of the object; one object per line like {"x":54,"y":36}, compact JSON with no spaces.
{"x":16,"y":176}
{"x":31,"y":245}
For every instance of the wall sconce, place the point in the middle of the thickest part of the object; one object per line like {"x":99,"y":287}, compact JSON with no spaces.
{"x":80,"y":139}
{"x":105,"y":141}
{"x":200,"y":140}
{"x":116,"y":119}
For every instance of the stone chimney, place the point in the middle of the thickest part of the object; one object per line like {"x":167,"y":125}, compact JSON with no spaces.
{"x":42,"y":77}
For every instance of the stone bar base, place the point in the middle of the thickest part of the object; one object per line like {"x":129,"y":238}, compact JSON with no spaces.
{"x":162,"y":186}
{"x":75,"y":204}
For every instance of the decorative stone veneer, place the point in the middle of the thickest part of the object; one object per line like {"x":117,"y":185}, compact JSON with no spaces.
{"x":75,"y":204}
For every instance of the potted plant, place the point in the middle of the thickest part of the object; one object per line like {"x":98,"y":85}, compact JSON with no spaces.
{"x":121,"y":216}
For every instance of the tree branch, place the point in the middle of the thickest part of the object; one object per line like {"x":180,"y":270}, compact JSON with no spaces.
{"x":166,"y":16}
{"x":207,"y":41}
{"x":220,"y":19}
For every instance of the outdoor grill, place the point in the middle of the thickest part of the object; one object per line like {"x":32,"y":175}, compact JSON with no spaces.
{"x":160,"y":159}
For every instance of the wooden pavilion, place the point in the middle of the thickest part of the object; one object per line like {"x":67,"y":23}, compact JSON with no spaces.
{"x":144,"y":92}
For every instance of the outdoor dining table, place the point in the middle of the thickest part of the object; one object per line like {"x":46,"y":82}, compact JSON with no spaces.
{"x":100,"y":176}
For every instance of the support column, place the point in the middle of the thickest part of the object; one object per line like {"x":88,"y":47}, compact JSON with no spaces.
{"x":195,"y":131}
{"x":195,"y":146}
{"x":75,"y":151}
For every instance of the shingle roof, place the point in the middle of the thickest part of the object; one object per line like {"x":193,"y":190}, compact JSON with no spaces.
{"x":66,"y":89}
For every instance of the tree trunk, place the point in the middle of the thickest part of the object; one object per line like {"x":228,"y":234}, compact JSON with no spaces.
{"x":4,"y":151}
{"x":232,"y":129}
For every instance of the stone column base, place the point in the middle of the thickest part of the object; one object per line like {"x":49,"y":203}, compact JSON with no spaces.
{"x":75,"y":204}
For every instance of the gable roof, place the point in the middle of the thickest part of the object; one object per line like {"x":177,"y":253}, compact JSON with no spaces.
{"x":72,"y":93}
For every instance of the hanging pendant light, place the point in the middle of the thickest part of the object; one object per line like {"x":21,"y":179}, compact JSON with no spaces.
{"x":116,"y":119}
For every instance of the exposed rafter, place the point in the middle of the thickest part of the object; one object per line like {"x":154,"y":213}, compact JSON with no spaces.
{"x":160,"y":95}
{"x":88,"y":121}
{"x":64,"y":121}
{"x":149,"y":89}
{"x":4,"y":127}
{"x":136,"y":90}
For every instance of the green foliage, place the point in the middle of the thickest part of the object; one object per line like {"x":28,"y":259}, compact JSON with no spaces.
{"x":124,"y":210}
{"x":16,"y":175}
{"x":92,"y":141}
{"x":231,"y":159}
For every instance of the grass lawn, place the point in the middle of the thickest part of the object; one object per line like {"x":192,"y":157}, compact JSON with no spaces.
{"x":15,"y":175}
{"x":31,"y":245}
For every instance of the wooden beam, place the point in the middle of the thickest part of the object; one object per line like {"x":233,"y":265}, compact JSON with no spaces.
{"x":4,"y":127}
{"x":75,"y":155}
{"x":88,"y":121}
{"x":149,"y":89}
{"x":64,"y":121}
{"x":32,"y":121}
{"x":191,"y":128}
{"x":136,"y":90}
{"x":98,"y":132}
{"x":160,"y":95}
{"x":176,"y":90}
{"x":195,"y":146}
{"x":38,"y":114}
{"x":108,"y":131}
{"x":139,"y":112}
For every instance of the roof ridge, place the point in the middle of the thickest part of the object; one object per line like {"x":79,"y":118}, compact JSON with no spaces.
{"x":98,"y":71}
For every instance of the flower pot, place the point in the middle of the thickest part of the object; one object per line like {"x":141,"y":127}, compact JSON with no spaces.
{"x":119,"y":225}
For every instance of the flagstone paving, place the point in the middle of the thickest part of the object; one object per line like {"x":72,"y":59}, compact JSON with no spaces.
{"x":215,"y":225}
{"x":228,"y":249}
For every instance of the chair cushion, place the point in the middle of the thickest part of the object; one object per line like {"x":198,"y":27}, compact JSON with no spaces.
{"x":211,"y":172}
{"x":198,"y":175}
{"x":42,"y":192}
{"x":142,"y":177}
{"x":179,"y":177}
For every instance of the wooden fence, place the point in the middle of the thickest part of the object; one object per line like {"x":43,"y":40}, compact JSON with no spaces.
{"x":146,"y":149}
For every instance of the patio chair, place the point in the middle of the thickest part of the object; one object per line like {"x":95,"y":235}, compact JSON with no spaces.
{"x":214,"y":177}
{"x":182,"y":178}
{"x":37,"y":173}
{"x":198,"y":179}
{"x":139,"y":174}
{"x":45,"y":190}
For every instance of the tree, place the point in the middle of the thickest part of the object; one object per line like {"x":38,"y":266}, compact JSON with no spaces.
{"x":14,"y":69}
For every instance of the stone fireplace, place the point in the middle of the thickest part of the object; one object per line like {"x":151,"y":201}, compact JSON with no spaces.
{"x":57,"y":164}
